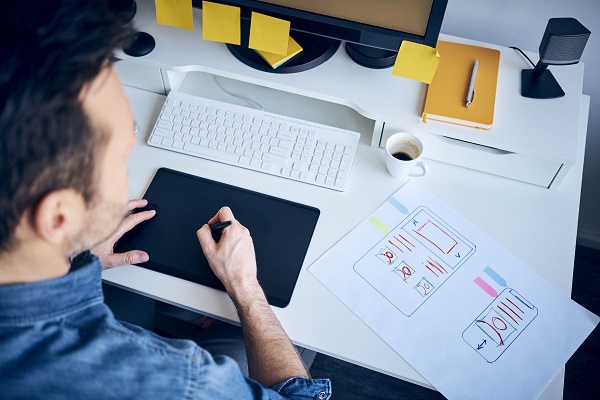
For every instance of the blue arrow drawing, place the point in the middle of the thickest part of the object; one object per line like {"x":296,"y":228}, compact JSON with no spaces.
{"x":480,"y":346}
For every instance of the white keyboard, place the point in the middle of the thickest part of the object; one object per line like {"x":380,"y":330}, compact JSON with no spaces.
{"x":258,"y":140}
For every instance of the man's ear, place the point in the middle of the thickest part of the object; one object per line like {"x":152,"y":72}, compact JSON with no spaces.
{"x":58,"y":216}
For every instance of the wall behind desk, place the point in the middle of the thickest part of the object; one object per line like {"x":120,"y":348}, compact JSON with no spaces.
{"x":522,"y":23}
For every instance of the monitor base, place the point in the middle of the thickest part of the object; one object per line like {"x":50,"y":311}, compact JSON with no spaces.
{"x":371,"y":57}
{"x":315,"y":51}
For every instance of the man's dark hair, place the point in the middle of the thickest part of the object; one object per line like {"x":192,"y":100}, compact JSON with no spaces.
{"x":49,"y":51}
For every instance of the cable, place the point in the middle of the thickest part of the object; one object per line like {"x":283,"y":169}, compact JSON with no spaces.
{"x":524,"y":55}
{"x":239,"y":96}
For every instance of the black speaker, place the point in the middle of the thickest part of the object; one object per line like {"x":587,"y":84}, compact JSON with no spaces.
{"x":562,"y":44}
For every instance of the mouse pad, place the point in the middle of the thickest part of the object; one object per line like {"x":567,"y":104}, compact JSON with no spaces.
{"x":281,"y":231}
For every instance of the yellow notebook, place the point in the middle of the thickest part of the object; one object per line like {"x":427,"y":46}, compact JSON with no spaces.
{"x":275,"y":60}
{"x":447,"y":93}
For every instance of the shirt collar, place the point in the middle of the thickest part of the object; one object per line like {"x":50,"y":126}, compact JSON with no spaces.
{"x":26,"y":303}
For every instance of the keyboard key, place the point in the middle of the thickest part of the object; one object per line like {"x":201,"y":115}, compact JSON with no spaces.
{"x":285,"y":136}
{"x":177,"y":144}
{"x":255,"y":163}
{"x":156,"y":139}
{"x":167,"y":117}
{"x":278,"y":151}
{"x":266,"y":165}
{"x":273,"y":158}
{"x":163,"y":132}
{"x":164,"y":125}
{"x":245,"y":160}
{"x":286,"y":144}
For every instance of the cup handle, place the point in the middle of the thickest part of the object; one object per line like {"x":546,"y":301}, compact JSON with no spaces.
{"x":424,"y":169}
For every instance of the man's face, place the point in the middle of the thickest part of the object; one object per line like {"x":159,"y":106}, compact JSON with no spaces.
{"x":109,"y":110}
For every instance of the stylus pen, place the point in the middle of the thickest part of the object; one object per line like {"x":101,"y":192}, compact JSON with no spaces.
{"x":219,"y":226}
{"x":471,"y":90}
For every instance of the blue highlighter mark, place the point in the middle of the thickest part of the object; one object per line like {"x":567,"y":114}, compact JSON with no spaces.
{"x":399,"y":206}
{"x":495,"y":276}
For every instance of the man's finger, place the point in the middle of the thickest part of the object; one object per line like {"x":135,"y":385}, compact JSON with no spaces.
{"x":130,"y":257}
{"x":136,"y":203}
{"x":225,"y":214}
{"x":131,"y":221}
{"x":205,"y":238}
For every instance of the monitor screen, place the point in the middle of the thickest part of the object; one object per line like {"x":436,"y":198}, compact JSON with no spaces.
{"x":399,"y":15}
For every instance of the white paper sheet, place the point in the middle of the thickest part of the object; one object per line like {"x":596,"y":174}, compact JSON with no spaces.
{"x":467,"y":315}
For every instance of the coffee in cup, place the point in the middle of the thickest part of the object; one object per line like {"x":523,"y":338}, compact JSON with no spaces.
{"x":403,"y":156}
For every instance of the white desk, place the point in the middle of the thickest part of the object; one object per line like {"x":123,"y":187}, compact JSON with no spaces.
{"x":316,"y":319}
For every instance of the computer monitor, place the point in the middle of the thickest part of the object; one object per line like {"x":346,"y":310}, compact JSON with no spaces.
{"x":372,"y":29}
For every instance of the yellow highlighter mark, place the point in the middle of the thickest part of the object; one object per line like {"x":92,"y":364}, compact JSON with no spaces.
{"x":379,"y":225}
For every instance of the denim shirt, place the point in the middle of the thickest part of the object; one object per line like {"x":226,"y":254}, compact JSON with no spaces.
{"x":59,"y":340}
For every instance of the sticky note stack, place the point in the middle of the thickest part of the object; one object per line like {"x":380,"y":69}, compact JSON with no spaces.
{"x":275,"y":60}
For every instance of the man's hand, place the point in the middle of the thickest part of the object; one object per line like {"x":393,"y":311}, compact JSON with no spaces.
{"x":271,"y":356}
{"x":105,"y":250}
{"x":232,"y":259}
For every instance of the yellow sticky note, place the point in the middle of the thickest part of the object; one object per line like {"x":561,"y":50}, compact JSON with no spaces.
{"x":177,"y":13}
{"x":221,"y":23}
{"x":269,"y":34}
{"x":416,"y":61}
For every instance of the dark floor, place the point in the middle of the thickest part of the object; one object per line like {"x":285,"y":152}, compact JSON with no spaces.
{"x":582,"y":379}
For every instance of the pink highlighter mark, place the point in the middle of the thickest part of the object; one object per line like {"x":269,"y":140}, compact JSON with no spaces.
{"x":486,"y":288}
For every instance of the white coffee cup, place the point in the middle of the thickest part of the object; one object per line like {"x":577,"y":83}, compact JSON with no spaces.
{"x":407,"y":161}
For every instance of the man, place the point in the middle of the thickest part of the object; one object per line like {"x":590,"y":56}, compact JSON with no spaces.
{"x":66,"y":131}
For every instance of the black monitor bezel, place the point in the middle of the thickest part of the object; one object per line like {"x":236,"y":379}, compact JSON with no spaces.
{"x":342,"y":29}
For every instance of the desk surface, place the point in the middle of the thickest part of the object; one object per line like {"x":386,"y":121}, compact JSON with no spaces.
{"x":315,"y":318}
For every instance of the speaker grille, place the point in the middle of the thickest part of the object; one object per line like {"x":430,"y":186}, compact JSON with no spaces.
{"x":563,"y":49}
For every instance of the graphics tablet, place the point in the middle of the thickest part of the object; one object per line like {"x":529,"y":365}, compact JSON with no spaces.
{"x":281,"y":231}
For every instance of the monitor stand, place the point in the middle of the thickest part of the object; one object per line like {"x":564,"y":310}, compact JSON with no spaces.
{"x":315,"y":51}
{"x":371,"y":57}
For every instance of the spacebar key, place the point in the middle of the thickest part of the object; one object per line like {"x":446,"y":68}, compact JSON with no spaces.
{"x":211,"y":153}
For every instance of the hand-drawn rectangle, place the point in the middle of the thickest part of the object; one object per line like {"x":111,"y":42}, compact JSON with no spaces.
{"x":499,"y":325}
{"x":424,"y":261}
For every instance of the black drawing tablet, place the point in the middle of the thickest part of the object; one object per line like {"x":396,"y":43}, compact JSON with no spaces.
{"x":281,"y":231}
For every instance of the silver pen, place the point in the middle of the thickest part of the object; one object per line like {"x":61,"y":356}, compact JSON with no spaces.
{"x":471,"y":90}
